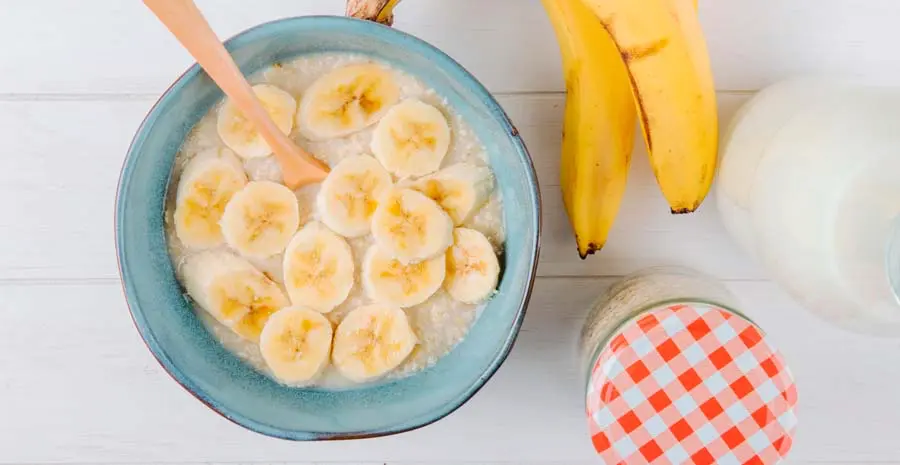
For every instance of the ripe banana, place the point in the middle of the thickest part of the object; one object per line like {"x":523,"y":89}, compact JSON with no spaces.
{"x":349,"y":195}
{"x":208,"y":182}
{"x":599,"y":123}
{"x":240,"y":135}
{"x":346,"y":100}
{"x":460,"y":189}
{"x":412,"y":139}
{"x":260,"y":219}
{"x":318,"y":268}
{"x":410,"y":227}
{"x":472,"y":267}
{"x":388,"y":281}
{"x":231,"y":290}
{"x":662,"y":45}
{"x":371,"y":341}
{"x":296,"y":345}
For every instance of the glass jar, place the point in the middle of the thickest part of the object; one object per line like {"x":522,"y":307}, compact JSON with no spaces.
{"x":675,"y":374}
{"x":642,"y":291}
{"x":808,"y":185}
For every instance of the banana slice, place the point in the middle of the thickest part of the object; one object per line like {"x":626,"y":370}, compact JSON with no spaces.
{"x":472,"y":267}
{"x":239,"y":133}
{"x":371,"y":341}
{"x":318,"y":268}
{"x":206,"y":185}
{"x":296,"y":344}
{"x":231,"y":290}
{"x":411,"y":227}
{"x":412,"y":139}
{"x":260,"y":219}
{"x":349,"y":195}
{"x":388,"y":281}
{"x":346,"y":100}
{"x":460,"y":189}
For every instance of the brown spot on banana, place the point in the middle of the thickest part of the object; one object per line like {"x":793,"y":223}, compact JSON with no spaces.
{"x":639,"y":52}
{"x":608,"y":25}
{"x":379,"y":11}
{"x":683,"y":211}
{"x":642,"y":110}
{"x":592,"y":248}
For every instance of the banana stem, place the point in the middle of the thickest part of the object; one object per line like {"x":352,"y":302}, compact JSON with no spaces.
{"x":380,"y":11}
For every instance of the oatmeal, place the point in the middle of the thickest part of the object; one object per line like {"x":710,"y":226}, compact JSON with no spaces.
{"x":414,"y":203}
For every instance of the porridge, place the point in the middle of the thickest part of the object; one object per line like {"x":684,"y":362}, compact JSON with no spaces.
{"x":376,"y":272}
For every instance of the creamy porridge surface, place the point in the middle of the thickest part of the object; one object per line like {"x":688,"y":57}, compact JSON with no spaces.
{"x":440,"y":322}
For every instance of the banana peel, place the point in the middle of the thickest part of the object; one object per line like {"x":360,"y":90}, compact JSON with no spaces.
{"x":599,"y":123}
{"x":662,"y":45}
{"x":379,"y":11}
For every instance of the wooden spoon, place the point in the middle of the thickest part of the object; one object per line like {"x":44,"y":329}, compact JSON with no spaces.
{"x":187,"y":24}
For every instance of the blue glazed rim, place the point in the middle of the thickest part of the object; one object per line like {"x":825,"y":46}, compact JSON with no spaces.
{"x":461,"y":76}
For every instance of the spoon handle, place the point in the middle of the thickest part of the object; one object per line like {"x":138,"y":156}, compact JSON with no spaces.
{"x":186,"y":22}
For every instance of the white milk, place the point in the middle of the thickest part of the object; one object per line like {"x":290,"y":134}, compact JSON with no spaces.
{"x":810,"y":184}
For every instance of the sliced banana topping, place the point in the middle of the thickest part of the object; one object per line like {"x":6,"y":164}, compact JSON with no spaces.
{"x":296,"y":344}
{"x":412,"y":139}
{"x":231,"y":290}
{"x":291,"y":291}
{"x":240,"y":134}
{"x":349,"y":195}
{"x":260,"y":219}
{"x":388,"y":281}
{"x":206,"y":185}
{"x":460,"y":189}
{"x":472,"y":267}
{"x":410,"y":227}
{"x":318,"y":268}
{"x":371,"y":341}
{"x":346,"y":100}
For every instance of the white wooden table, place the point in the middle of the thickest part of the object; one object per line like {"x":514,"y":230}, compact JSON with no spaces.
{"x":78,"y":385}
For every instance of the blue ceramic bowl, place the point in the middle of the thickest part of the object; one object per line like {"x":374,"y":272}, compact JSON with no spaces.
{"x":164,"y":316}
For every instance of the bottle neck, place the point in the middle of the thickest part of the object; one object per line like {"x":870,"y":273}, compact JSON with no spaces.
{"x":893,"y":257}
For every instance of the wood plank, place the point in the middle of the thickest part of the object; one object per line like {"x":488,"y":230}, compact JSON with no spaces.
{"x":58,"y":180}
{"x":144,"y":58}
{"x":79,"y":386}
{"x":507,"y":44}
{"x":57,"y":185}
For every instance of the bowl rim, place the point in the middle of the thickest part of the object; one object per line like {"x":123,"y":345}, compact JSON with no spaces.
{"x":464,"y":77}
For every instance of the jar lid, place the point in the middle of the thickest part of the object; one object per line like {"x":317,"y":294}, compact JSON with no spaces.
{"x":691,"y":383}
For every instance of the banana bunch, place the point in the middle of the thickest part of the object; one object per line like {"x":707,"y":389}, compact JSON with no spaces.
{"x":623,"y":58}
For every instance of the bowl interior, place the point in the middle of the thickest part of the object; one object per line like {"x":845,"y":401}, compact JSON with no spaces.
{"x":195,"y":359}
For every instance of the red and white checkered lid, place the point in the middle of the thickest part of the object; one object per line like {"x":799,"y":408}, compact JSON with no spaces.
{"x":691,"y":383}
